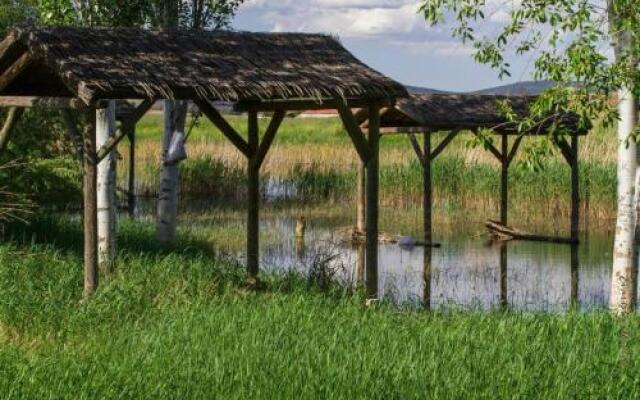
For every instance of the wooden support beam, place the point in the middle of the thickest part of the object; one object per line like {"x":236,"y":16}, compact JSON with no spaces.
{"x":90,"y":207}
{"x":130,"y":131}
{"x":111,"y":144}
{"x":504,"y":181}
{"x":73,"y":132}
{"x":227,"y":130}
{"x":42,"y":102}
{"x":11,"y":73}
{"x":514,"y":149}
{"x":354,"y":131}
{"x":13,"y":116}
{"x":489,"y":146}
{"x":575,"y":190}
{"x":371,"y":270}
{"x":504,"y":283}
{"x":427,"y":202}
{"x":253,"y":200}
{"x":565,"y":148}
{"x":445,"y":142}
{"x":139,"y":111}
{"x":306,"y":104}
{"x":269,"y":135}
{"x":361,"y":201}
{"x":416,"y":148}
{"x":575,"y":277}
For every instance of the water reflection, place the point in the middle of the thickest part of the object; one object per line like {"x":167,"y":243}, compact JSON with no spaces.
{"x":464,"y":272}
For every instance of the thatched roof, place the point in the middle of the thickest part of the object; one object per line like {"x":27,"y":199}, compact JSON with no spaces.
{"x":464,"y":111}
{"x":116,"y":63}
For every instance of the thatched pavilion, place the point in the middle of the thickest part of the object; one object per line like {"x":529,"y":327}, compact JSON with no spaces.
{"x":460,"y":113}
{"x":79,"y":68}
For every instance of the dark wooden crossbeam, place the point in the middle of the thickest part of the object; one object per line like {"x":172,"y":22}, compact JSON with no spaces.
{"x":140,"y":111}
{"x":269,"y":135}
{"x":227,"y":130}
{"x":7,"y":129}
{"x":42,"y":102}
{"x":445,"y":142}
{"x":514,"y":149}
{"x":111,"y":144}
{"x":15,"y":69}
{"x":354,"y":131}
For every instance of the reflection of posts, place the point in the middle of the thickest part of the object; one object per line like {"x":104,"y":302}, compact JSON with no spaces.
{"x":504,"y":301}
{"x":426,"y":276}
{"x":360,"y":263}
{"x":575,"y":265}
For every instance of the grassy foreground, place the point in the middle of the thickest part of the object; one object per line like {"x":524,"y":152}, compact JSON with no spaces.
{"x":178,"y":323}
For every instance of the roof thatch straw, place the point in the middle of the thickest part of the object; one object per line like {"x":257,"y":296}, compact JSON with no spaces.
{"x":114,"y":63}
{"x":467,"y":111}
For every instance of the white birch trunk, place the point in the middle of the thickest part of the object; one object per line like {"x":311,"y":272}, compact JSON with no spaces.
{"x":623,"y":282}
{"x":106,"y":190}
{"x":175,"y":113}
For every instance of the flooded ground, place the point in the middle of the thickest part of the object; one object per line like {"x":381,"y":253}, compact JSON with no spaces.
{"x":466,"y":271}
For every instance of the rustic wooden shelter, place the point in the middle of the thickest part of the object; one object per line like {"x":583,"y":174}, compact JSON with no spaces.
{"x":80,"y":68}
{"x":459,"y":113}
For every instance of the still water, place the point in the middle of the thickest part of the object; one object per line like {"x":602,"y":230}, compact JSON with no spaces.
{"x":466,"y":271}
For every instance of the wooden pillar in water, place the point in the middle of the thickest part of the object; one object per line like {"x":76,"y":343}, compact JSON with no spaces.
{"x":504,"y":288}
{"x":371,"y":270}
{"x":575,"y":276}
{"x":90,"y":206}
{"x":427,"y":201}
{"x":130,"y":131}
{"x":361,"y":198}
{"x":575,"y":190}
{"x":504,"y":181}
{"x":253,"y":198}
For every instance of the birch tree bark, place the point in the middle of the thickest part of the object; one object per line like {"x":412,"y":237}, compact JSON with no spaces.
{"x":106,"y":191}
{"x":175,"y":114}
{"x":623,"y":283}
{"x":623,"y":275}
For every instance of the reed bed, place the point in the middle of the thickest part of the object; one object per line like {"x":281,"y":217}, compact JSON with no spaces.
{"x":315,"y":157}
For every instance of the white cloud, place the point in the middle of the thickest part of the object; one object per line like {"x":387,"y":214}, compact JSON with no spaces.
{"x":348,"y":18}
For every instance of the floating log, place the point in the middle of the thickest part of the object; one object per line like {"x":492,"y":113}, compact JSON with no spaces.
{"x":502,"y":232}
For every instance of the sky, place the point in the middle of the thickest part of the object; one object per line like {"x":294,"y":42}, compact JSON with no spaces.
{"x":388,"y":35}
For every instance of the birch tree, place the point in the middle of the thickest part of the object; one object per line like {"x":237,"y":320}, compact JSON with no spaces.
{"x":591,"y":49}
{"x":194,"y":15}
{"x":106,"y":188}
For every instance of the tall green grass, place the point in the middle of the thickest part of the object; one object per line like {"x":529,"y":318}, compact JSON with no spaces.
{"x":178,"y":323}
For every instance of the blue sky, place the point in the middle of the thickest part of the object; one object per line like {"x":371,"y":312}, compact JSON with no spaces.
{"x":388,"y":35}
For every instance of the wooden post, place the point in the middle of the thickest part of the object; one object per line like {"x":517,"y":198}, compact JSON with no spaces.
{"x":253,"y":199}
{"x":90,"y":207}
{"x":427,"y":198}
{"x":360,"y":267}
{"x":372,"y":204}
{"x":427,"y":201}
{"x":12,"y":119}
{"x":130,"y":131}
{"x":575,"y":277}
{"x":361,"y":198}
{"x":504,"y":178}
{"x":504,"y":297}
{"x":575,"y":191}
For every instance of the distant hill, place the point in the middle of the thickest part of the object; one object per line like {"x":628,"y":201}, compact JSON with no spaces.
{"x":523,"y":88}
{"x":422,"y":90}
